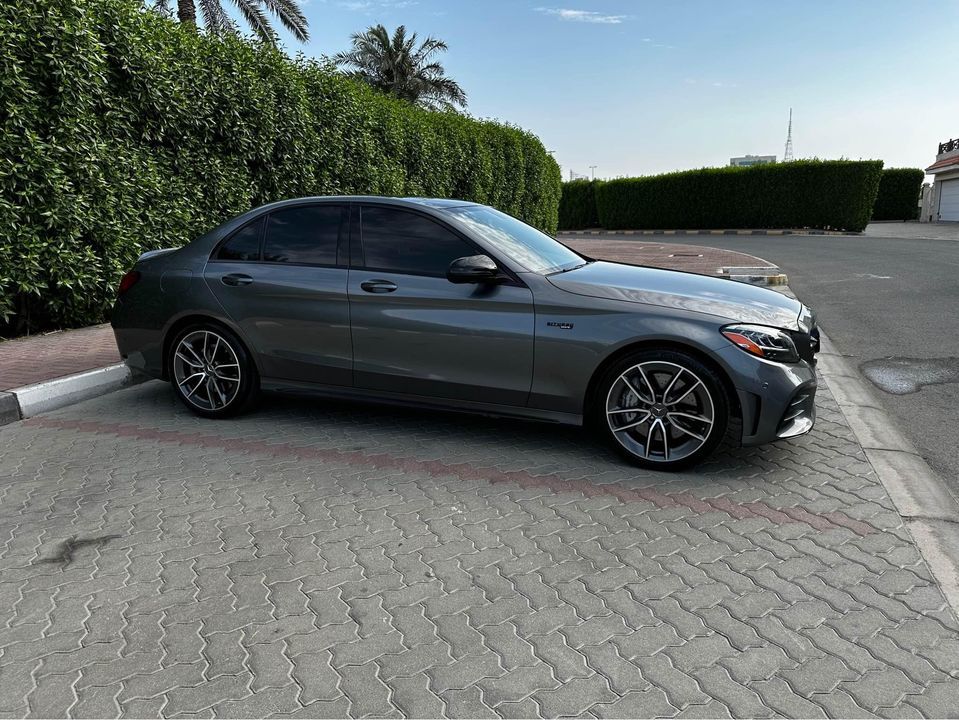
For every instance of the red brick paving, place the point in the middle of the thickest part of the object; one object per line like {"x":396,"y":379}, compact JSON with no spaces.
{"x":25,"y":361}
{"x":647,"y":251}
{"x":467,"y":471}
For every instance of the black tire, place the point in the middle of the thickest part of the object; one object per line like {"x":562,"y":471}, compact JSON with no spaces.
{"x":218,"y":393}
{"x":673,"y":418}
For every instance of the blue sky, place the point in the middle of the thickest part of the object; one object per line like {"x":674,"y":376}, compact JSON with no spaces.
{"x":637,"y":87}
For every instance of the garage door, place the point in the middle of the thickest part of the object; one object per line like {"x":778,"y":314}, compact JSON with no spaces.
{"x":949,"y":200}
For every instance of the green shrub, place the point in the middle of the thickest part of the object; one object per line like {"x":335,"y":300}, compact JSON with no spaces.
{"x":898,"y":197}
{"x":836,"y":194}
{"x":121,"y":132}
{"x":577,"y":206}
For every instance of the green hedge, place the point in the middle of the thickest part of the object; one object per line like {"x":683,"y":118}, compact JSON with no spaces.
{"x":121,"y":132}
{"x":835,"y":195}
{"x":898,"y":197}
{"x":577,"y":206}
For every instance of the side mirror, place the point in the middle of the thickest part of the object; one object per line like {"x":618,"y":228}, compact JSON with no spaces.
{"x":473,"y":269}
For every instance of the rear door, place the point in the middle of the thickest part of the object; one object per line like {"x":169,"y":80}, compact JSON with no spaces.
{"x":283,"y":281}
{"x":415,"y":332}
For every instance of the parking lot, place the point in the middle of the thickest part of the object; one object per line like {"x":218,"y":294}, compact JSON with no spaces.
{"x":331,"y":559}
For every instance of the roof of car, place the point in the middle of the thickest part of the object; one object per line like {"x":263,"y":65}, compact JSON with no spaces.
{"x":431,"y":204}
{"x":438,"y":203}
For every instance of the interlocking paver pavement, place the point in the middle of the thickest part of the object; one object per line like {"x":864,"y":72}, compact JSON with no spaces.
{"x":326,"y":559}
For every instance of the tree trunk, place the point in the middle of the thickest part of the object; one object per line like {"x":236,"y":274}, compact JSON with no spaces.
{"x":186,"y":12}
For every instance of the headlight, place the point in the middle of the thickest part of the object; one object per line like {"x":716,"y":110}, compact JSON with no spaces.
{"x":765,"y":342}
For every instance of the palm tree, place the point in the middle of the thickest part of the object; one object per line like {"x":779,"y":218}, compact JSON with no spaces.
{"x":217,"y":20}
{"x":398,"y":67}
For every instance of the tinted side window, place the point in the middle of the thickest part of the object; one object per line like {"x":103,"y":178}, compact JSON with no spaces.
{"x":403,"y":242}
{"x":244,"y":245}
{"x":307,"y":234}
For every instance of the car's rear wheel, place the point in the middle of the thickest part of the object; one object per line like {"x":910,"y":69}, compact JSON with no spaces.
{"x":661,"y":409}
{"x":211,"y":371}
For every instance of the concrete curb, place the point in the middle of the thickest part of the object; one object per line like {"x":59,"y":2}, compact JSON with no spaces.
{"x":31,"y":400}
{"x":9,"y":408}
{"x":765,"y":275}
{"x":757,"y":279}
{"x":929,"y":510}
{"x":562,"y":233}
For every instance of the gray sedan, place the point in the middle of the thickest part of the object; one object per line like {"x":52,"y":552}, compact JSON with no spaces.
{"x":454,"y":305}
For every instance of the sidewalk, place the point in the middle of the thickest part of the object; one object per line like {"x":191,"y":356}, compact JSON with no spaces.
{"x":914,"y":230}
{"x":26,"y":361}
{"x":46,"y":372}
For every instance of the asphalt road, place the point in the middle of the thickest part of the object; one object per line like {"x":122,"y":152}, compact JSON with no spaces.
{"x":889,"y":300}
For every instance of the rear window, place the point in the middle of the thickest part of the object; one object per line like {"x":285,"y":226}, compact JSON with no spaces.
{"x":244,"y":245}
{"x":305,"y":235}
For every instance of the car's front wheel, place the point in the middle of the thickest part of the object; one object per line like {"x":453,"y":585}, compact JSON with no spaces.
{"x":661,"y":409}
{"x":211,"y":371}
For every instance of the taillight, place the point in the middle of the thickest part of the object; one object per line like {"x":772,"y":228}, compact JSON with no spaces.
{"x":127,"y":282}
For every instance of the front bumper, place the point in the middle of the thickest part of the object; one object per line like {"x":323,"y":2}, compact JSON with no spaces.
{"x":777,"y":400}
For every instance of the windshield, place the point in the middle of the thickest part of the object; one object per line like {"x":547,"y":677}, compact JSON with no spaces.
{"x":526,"y":245}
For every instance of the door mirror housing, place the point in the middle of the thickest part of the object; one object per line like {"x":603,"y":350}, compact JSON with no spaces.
{"x":474,"y":269}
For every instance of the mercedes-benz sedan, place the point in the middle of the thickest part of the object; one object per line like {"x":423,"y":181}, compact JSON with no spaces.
{"x":451,"y":304}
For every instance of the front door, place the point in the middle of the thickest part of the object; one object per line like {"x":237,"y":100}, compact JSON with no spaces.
{"x":281,"y":282}
{"x":415,"y":332}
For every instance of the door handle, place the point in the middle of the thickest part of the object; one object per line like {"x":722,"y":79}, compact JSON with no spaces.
{"x":236,"y":279}
{"x":378,"y":286}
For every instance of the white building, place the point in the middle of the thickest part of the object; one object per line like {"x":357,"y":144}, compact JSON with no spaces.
{"x":750,"y":160}
{"x":942,"y":203}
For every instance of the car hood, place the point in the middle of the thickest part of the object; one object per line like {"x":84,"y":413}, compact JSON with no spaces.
{"x":734,"y":301}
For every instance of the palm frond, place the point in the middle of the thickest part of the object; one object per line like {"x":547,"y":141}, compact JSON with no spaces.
{"x":430,"y":47}
{"x":257,"y":20}
{"x":215,"y":17}
{"x":444,"y":91}
{"x":291,"y":17}
{"x":162,"y":7}
{"x":254,"y":12}
{"x":346,"y":57}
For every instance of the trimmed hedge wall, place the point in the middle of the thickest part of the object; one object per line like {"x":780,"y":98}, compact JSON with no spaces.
{"x":836,"y":194}
{"x":898,"y":197}
{"x":121,"y":132}
{"x":577,"y":206}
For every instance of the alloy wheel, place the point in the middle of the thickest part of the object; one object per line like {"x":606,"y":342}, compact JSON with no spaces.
{"x":660,"y":411}
{"x":206,"y":370}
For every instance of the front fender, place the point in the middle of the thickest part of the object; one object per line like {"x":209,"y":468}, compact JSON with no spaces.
{"x":574,"y":339}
